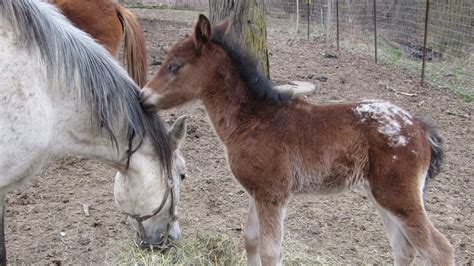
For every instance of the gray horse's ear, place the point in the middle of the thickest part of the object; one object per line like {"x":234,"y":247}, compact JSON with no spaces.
{"x":178,"y":132}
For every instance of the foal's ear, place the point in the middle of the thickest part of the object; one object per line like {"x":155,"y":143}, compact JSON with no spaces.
{"x":222,"y":27}
{"x":202,"y":32}
{"x":178,"y":132}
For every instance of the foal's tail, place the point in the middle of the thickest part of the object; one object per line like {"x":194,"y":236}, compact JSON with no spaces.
{"x":134,"y":47}
{"x":437,"y":153}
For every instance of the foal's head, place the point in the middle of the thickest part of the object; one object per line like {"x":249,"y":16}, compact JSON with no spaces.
{"x":190,"y":66}
{"x":151,"y":213}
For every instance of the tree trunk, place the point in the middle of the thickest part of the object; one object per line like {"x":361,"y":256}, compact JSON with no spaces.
{"x":248,"y":25}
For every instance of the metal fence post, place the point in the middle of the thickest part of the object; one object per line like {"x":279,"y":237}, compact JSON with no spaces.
{"x":425,"y":37}
{"x":337,"y":23}
{"x":375,"y":29}
{"x":308,"y":5}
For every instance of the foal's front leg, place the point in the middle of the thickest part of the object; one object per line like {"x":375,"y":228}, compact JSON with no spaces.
{"x":270,"y":216}
{"x":251,"y":235}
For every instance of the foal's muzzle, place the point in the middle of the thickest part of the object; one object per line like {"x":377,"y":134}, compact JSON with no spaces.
{"x":147,"y":99}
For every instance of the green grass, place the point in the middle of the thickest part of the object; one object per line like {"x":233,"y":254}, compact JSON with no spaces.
{"x":211,"y":249}
{"x":394,"y":54}
{"x":454,"y":78}
{"x":453,"y":74}
{"x":201,"y":249}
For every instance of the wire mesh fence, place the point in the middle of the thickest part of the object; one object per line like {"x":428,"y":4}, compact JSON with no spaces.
{"x":391,"y":31}
{"x":182,"y":4}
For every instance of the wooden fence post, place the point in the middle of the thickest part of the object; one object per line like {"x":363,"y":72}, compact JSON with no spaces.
{"x":425,"y":37}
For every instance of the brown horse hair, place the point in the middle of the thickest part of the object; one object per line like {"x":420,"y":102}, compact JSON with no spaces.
{"x":277,"y":147}
{"x":258,"y":82}
{"x":107,"y":27}
{"x":249,"y":69}
{"x":135,"y":51}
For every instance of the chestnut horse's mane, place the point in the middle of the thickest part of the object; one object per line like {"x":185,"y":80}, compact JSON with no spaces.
{"x":249,"y":69}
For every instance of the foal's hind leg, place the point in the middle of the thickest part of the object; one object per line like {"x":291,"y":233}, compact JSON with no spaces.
{"x":251,"y":235}
{"x":429,"y":242}
{"x":403,"y":250}
{"x":404,"y":206}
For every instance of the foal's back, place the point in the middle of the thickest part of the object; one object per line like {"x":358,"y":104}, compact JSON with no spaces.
{"x":333,"y":147}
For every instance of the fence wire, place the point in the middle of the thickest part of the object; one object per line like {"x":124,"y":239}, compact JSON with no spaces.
{"x":181,"y":4}
{"x":400,"y":32}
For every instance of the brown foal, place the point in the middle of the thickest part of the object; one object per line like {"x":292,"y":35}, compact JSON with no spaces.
{"x":277,"y":146}
{"x":106,"y":21}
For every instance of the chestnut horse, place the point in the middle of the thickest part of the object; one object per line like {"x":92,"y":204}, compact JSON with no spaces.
{"x":106,"y":21}
{"x":277,"y":146}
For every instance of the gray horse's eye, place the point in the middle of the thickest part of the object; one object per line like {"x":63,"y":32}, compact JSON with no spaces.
{"x":183,"y":176}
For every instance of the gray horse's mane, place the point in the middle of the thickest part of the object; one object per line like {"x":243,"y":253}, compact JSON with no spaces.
{"x":73,"y":60}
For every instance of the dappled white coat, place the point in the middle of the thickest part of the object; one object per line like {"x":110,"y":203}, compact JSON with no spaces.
{"x":39,"y":122}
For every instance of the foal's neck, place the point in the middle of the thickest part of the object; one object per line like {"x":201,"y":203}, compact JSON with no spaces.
{"x":230,"y":103}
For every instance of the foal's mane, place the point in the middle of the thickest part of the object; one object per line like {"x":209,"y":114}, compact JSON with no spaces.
{"x":249,"y":69}
{"x":73,"y":60}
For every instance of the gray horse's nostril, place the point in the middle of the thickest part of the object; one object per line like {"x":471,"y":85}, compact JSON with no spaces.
{"x":144,"y":244}
{"x":175,"y":237}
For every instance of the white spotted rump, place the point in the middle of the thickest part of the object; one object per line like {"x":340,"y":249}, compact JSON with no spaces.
{"x":391,"y":119}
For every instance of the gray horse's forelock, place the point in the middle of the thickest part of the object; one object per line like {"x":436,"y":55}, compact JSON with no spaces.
{"x":73,"y":60}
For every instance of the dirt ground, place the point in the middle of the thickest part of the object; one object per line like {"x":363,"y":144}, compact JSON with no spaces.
{"x":46,"y":223}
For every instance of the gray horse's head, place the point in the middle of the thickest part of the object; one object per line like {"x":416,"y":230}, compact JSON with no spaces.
{"x":154,"y":215}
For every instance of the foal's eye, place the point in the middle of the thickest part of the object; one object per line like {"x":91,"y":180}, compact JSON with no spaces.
{"x":173,"y":68}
